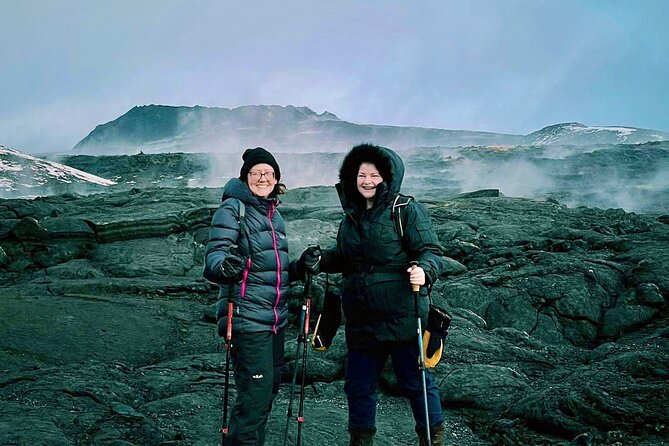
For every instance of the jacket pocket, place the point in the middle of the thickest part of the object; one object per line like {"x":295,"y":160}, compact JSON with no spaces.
{"x":426,"y":232}
{"x":389,"y":296}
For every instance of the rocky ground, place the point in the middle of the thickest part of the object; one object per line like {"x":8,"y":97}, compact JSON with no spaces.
{"x":559,"y":332}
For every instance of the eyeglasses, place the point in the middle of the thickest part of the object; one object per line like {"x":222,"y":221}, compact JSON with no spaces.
{"x":256,"y":175}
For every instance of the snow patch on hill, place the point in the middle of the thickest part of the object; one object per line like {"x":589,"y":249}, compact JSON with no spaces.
{"x":575,"y":132}
{"x":21,"y":170}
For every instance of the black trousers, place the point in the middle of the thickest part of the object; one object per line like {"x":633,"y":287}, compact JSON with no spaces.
{"x":257,"y":359}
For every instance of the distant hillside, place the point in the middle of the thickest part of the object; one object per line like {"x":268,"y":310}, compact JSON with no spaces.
{"x":290,"y":129}
{"x":22,"y":174}
{"x":574,"y":133}
{"x":160,"y":128}
{"x":158,"y":169}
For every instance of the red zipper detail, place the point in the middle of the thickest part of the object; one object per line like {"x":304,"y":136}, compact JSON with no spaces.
{"x":242,"y":291}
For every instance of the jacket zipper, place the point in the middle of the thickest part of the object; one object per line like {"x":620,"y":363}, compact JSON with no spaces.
{"x":278,"y":269}
{"x":242,"y":291}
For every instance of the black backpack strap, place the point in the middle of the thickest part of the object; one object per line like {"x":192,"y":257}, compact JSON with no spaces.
{"x":399,"y":206}
{"x":244,"y":229}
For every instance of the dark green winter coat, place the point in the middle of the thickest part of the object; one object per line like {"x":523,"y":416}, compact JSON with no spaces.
{"x":376,"y":293}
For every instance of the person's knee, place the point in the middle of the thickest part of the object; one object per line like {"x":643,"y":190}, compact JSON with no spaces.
{"x":360,"y":385}
{"x":258,"y":395}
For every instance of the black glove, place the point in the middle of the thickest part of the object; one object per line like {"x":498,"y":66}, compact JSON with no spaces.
{"x":310,"y":260}
{"x":233,"y":267}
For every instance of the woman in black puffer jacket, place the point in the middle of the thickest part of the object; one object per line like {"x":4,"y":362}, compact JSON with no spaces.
{"x":254,"y":265}
{"x":376,"y":294}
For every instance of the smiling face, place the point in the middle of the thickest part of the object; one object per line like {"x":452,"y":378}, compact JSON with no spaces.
{"x":261,"y":180}
{"x":367,"y":181}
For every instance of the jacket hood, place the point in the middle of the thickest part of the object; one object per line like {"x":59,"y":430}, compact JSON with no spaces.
{"x":236,"y":188}
{"x":388,"y":163}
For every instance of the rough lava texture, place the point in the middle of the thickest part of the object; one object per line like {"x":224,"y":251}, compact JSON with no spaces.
{"x":559,"y":336}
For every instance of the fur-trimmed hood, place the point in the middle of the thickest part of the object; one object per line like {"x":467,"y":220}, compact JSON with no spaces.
{"x":388,"y":163}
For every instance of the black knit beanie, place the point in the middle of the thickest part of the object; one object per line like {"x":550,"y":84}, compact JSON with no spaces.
{"x":255,"y":156}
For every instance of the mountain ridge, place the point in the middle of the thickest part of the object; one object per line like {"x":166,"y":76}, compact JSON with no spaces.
{"x":160,"y":128}
{"x":298,"y":129}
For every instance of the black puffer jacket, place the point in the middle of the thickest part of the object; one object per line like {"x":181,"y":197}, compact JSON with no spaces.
{"x":376,"y":293}
{"x":260,"y":297}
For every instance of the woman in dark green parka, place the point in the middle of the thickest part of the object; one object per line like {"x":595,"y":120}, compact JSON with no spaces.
{"x":376,"y":294}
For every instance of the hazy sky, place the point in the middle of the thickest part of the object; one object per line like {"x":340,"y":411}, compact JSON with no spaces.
{"x":509,"y":66}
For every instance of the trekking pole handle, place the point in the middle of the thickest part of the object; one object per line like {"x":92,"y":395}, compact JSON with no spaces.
{"x":414,"y":286}
{"x":231,"y":306}
{"x":306,"y":318}
{"x":228,"y":332}
{"x":307,"y":302}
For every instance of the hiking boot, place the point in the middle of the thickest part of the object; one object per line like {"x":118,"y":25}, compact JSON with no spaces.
{"x":437,"y":436}
{"x":361,"y":438}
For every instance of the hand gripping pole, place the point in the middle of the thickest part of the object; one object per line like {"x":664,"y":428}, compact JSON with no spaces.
{"x":421,"y":354}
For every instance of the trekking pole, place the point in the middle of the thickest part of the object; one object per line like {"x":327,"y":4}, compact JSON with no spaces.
{"x":421,"y":354}
{"x":228,"y":347}
{"x":301,"y":338}
{"x":305,"y":336}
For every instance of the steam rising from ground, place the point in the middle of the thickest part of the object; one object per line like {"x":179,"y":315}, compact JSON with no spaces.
{"x":517,"y":178}
{"x":631,"y":177}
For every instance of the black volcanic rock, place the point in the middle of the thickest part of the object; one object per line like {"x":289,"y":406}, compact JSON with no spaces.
{"x":142,"y":170}
{"x":559,"y":326}
{"x":628,"y":176}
